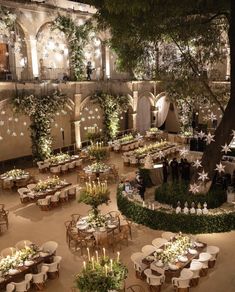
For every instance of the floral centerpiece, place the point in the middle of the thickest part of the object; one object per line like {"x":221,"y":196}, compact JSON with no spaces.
{"x":15,"y":173}
{"x":50,"y":183}
{"x":151,"y":147}
{"x":95,"y":194}
{"x":154,"y":130}
{"x":101,"y":274}
{"x":59,"y":158}
{"x":97,"y":151}
{"x":96,"y":221}
{"x":125,"y":138}
{"x":173,"y":249}
{"x":17,"y":258}
{"x":97,"y":167}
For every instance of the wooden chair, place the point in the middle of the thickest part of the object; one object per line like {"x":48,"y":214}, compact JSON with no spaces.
{"x":135,"y":288}
{"x":75,"y":218}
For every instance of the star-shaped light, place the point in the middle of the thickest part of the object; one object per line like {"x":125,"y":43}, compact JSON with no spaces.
{"x":209,"y":138}
{"x":203,"y":176}
{"x":160,"y":154}
{"x":194,"y":188}
{"x":212,"y":117}
{"x":225,"y":148}
{"x":197,"y":163}
{"x":233,"y":133}
{"x":201,"y":135}
{"x":1,"y":123}
{"x":183,"y":152}
{"x":205,"y":118}
{"x":220,"y":167}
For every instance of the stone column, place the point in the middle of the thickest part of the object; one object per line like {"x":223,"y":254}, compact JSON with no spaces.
{"x":78,"y":141}
{"x":77,"y":122}
{"x":107,"y":62}
{"x":34,"y":56}
{"x":228,"y":65}
{"x":134,"y":117}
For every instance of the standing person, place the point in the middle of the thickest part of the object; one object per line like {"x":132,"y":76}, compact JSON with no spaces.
{"x":89,"y":70}
{"x":186,"y":168}
{"x":174,"y":169}
{"x":165,"y":166}
{"x":140,"y":184}
{"x":181,"y":169}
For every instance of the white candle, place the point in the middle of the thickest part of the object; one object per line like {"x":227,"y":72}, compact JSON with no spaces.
{"x":88,"y":253}
{"x":104,"y":251}
{"x":84,"y":265}
{"x":118,"y":256}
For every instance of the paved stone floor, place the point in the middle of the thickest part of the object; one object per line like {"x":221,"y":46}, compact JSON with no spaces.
{"x":28,"y":222}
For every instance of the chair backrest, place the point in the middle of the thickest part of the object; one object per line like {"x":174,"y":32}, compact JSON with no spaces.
{"x":148,"y":249}
{"x":39,"y":278}
{"x":152,"y":279}
{"x":21,"y":191}
{"x":159,"y":242}
{"x":23,"y":243}
{"x":157,"y":269}
{"x":8,"y":251}
{"x":31,"y":186}
{"x":10,"y":287}
{"x":49,"y":246}
{"x":137,"y":257}
{"x":75,"y":217}
{"x":168,"y":235}
{"x":204,"y":257}
{"x":213,"y":250}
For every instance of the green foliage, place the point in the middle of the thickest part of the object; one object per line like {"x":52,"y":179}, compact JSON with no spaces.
{"x":189,"y":223}
{"x":112,"y":107}
{"x":77,"y":37}
{"x":95,"y":280}
{"x":7,"y":20}
{"x":99,"y":153}
{"x":94,"y":199}
{"x":178,"y":192}
{"x":41,"y":110}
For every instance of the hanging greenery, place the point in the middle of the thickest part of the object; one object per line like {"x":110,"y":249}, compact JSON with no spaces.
{"x":112,"y":106}
{"x":77,"y":38}
{"x":7,"y":20}
{"x":41,"y":111}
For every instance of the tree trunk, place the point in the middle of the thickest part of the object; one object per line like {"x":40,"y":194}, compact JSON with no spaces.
{"x":212,"y":155}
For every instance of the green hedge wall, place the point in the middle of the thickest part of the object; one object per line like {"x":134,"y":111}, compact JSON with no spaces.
{"x":160,"y":220}
{"x":171,"y":193}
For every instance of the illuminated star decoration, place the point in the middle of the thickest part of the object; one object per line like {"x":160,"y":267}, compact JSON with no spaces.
{"x":203,"y":176}
{"x":194,"y":188}
{"x":233,"y":133}
{"x":225,"y":148}
{"x":201,"y":135}
{"x":209,"y":138}
{"x":160,"y":154}
{"x":183,"y":152}
{"x":197,"y":163}
{"x":220,"y":167}
{"x":212,"y":117}
{"x":1,"y":123}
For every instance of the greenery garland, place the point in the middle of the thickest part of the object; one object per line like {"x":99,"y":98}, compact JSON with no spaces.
{"x":112,"y":106}
{"x":172,"y":193}
{"x":161,"y":220}
{"x":41,"y":111}
{"x":77,"y":38}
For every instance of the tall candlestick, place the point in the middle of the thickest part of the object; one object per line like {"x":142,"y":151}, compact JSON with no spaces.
{"x":106,"y":270}
{"x":118,"y":256}
{"x":97,"y":256}
{"x":84,"y":265}
{"x":111,"y":264}
{"x":104,"y":251}
{"x":93,"y":264}
{"x":88,"y":253}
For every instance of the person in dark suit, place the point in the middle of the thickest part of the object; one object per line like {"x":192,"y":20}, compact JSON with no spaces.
{"x":174,"y":169}
{"x":165,"y":166}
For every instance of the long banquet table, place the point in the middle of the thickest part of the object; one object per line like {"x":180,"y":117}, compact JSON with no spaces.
{"x":174,"y":269}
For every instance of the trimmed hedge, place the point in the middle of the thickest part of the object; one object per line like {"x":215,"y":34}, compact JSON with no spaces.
{"x":160,"y":220}
{"x":172,"y":193}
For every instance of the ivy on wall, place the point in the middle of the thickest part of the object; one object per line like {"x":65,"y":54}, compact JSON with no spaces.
{"x":112,"y":106}
{"x":7,"y":20}
{"x":77,"y":38}
{"x":41,"y":111}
